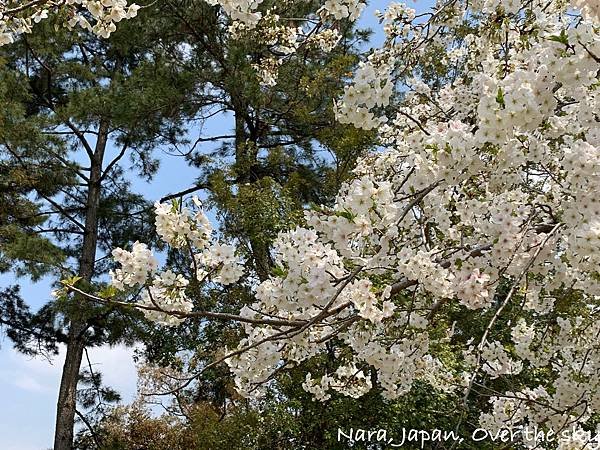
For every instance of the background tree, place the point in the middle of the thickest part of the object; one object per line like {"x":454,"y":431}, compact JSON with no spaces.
{"x":84,"y":104}
{"x":284,"y":152}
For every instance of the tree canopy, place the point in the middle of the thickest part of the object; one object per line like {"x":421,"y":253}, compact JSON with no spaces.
{"x":443,"y":254}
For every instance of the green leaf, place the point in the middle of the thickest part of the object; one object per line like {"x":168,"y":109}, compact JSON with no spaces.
{"x":562,"y":38}
{"x":346,"y":214}
{"x":108,"y":292}
{"x":279,"y":272}
{"x":500,"y":97}
{"x":71,"y":281}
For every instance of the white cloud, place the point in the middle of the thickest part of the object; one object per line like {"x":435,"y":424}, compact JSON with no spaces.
{"x":117,"y":367}
{"x":40,"y":375}
{"x":29,"y":384}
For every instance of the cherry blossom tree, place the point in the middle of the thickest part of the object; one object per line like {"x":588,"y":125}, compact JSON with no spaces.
{"x":97,"y":16}
{"x":465,"y":252}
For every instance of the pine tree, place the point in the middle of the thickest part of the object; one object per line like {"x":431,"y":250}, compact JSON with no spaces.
{"x":80,"y":106}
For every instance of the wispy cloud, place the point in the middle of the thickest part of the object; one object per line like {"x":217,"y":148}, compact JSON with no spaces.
{"x":31,"y":384}
{"x":39,"y":374}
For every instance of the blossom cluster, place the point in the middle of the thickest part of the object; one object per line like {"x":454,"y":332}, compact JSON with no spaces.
{"x":180,"y":227}
{"x":341,"y":9}
{"x":242,"y":11}
{"x":136,"y":265}
{"x":478,"y":212}
{"x":164,"y":295}
{"x":97,"y":16}
{"x":270,"y":26}
{"x":371,"y":88}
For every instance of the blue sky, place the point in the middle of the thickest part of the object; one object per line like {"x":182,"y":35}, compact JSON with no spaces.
{"x":29,"y":386}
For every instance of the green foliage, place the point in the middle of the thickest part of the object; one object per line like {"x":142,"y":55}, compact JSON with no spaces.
{"x":32,"y":333}
{"x":140,"y":90}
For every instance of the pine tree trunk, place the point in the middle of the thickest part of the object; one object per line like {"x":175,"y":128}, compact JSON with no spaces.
{"x":245,"y":158}
{"x":67,"y":401}
{"x":65,"y":410}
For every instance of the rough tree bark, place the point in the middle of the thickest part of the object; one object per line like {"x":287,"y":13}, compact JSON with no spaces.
{"x":67,"y":401}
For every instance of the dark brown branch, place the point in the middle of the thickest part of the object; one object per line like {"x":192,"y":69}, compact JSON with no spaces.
{"x":193,"y":314}
{"x":187,"y":191}
{"x":89,"y":427}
